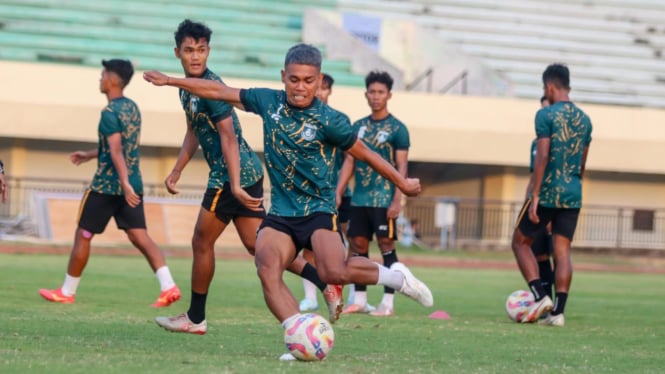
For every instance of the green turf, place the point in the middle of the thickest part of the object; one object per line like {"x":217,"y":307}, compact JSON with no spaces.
{"x":614,"y":323}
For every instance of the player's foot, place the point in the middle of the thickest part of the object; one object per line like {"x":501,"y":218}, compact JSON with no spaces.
{"x":552,"y":320}
{"x":412,"y":287}
{"x":181,"y":323}
{"x":307,"y":305}
{"x":382,"y":311}
{"x":334,"y":300}
{"x":537,"y":309}
{"x":167,"y":297}
{"x":56,"y":296}
{"x":287,"y":357}
{"x":357,"y":308}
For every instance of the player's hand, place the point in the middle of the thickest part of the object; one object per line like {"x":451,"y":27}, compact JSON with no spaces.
{"x":131,"y":197}
{"x":79,"y":157}
{"x":155,"y":77}
{"x":411,"y":187}
{"x":251,"y":202}
{"x":533,"y":210}
{"x":171,"y":181}
{"x":393,"y":210}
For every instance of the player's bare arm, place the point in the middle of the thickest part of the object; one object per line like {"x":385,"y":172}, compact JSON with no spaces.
{"x":189,"y":146}
{"x":115,"y":147}
{"x":542,"y":154}
{"x":410,"y":186}
{"x":79,"y":157}
{"x":203,"y":88}
{"x":231,"y":154}
{"x":345,"y":173}
{"x":402,"y":161}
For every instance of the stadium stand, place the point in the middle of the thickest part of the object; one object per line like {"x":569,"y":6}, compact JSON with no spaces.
{"x":614,"y":48}
{"x":249,"y":38}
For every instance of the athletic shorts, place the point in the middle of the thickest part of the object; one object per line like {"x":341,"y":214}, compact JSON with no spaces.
{"x":564,"y":221}
{"x":366,"y":221}
{"x":344,"y":209}
{"x":542,"y":244}
{"x":300,"y":229}
{"x":97,"y":209}
{"x":226,"y":207}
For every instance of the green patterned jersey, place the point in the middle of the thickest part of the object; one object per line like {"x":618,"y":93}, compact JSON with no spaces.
{"x":569,"y":130}
{"x":122,"y":116}
{"x":384,"y":137}
{"x":300,"y":148}
{"x":339,"y":161}
{"x":204,"y":114}
{"x":532,"y":159}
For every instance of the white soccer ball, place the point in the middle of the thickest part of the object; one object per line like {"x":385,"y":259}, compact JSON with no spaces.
{"x":518,"y":304}
{"x":309,"y":337}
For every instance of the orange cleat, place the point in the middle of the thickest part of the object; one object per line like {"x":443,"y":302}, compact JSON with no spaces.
{"x":167,"y":297}
{"x":56,"y":296}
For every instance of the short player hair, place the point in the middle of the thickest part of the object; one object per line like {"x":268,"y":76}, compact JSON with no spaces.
{"x":558,"y":74}
{"x":194,"y":30}
{"x":327,"y":79}
{"x":122,"y":68}
{"x":303,"y":54}
{"x":379,"y":77}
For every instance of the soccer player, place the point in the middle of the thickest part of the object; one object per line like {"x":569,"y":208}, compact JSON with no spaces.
{"x":116,"y":189}
{"x":376,"y":203}
{"x":564,"y":137}
{"x":4,"y":190}
{"x":542,"y":242}
{"x":301,"y":137}
{"x":233,"y":193}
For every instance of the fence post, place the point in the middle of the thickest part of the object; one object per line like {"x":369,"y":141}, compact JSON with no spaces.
{"x":619,"y":227}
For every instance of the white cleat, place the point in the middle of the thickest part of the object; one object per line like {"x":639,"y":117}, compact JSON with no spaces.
{"x":181,"y":323}
{"x":287,"y":357}
{"x":553,"y":320}
{"x":412,"y":287}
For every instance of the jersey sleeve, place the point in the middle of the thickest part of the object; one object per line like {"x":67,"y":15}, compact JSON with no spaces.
{"x":254,"y":99}
{"x":339,"y":131}
{"x":543,"y":124}
{"x":110,"y":123}
{"x":218,"y":110}
{"x":402,"y":140}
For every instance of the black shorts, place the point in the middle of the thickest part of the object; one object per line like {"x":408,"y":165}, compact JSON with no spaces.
{"x":344,"y":210}
{"x":564,"y":221}
{"x":97,"y":209}
{"x":300,"y":229}
{"x":226,"y":207}
{"x":366,"y":221}
{"x":542,"y":244}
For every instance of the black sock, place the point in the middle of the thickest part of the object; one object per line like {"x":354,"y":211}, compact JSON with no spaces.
{"x":361,"y":287}
{"x":546,"y":276}
{"x":537,"y":289}
{"x":197,"y":307}
{"x":309,"y":273}
{"x":560,"y":302}
{"x":389,"y":258}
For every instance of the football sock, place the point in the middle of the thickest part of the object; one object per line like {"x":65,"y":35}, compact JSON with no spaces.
{"x":197,"y":307}
{"x":361,"y":287}
{"x":361,"y":298}
{"x":288,"y":320}
{"x":310,"y":290}
{"x":70,"y":285}
{"x":389,"y":258}
{"x":352,"y":294}
{"x":309,"y":273}
{"x":537,"y":290}
{"x":164,"y":277}
{"x":560,"y":302}
{"x":388,"y":300}
{"x":390,"y":278}
{"x":546,"y":276}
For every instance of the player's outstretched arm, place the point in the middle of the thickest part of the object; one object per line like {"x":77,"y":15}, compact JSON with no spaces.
{"x":409,"y":186}
{"x":205,"y":88}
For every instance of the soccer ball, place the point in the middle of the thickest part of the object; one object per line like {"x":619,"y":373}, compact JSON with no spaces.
{"x":518,"y":304}
{"x":309,"y":337}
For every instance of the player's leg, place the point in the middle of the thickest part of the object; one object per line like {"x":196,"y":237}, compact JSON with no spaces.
{"x":541,"y":250}
{"x":359,"y":236}
{"x":386,"y":234}
{"x":132,"y":221}
{"x":309,"y":303}
{"x":526,"y":261}
{"x":95,"y":212}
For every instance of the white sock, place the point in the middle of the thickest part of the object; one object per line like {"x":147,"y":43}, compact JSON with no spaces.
{"x":390,"y":278}
{"x":286,"y":321}
{"x":388,"y":300}
{"x":360,"y":298}
{"x":310,"y":290}
{"x":352,"y":294}
{"x":164,"y":277}
{"x":70,"y":285}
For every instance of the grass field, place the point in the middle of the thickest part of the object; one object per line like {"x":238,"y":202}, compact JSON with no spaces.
{"x":614,"y":323}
